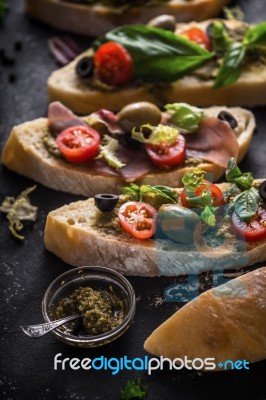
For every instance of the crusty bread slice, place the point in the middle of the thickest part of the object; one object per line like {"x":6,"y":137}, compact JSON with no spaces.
{"x":225,"y":323}
{"x":26,"y":154}
{"x":72,"y":234}
{"x":65,"y":86}
{"x":95,"y":20}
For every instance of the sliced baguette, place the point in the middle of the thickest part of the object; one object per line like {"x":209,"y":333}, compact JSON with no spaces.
{"x":226,"y":323}
{"x":65,"y":86}
{"x":26,"y":154}
{"x":95,"y":20}
{"x":72,"y":234}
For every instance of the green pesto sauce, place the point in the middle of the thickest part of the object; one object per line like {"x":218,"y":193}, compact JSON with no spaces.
{"x":50,"y":144}
{"x":102,"y":310}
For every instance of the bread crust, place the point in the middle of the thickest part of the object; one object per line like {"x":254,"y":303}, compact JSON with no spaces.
{"x":25,"y":153}
{"x":71,"y":233}
{"x":225,"y":323}
{"x":96,"y":20}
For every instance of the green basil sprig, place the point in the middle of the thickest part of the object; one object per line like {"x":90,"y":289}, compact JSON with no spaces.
{"x":247,"y":204}
{"x":139,"y":191}
{"x":256,"y":35}
{"x":234,"y":58}
{"x":219,"y":36}
{"x":231,"y":67}
{"x":159,"y":55}
{"x":233,"y":174}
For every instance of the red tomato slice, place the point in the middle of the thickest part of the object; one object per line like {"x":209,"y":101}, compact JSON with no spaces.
{"x":78,"y":144}
{"x":164,"y":155}
{"x":198,"y":36}
{"x":253,"y":230}
{"x":113,"y":64}
{"x":216,"y":194}
{"x":138,"y":219}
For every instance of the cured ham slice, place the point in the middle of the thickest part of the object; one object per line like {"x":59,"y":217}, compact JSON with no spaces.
{"x":215,"y":141}
{"x":60,"y":118}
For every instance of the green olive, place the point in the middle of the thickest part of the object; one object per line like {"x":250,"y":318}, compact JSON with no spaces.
{"x":166,"y":22}
{"x":179,"y":223}
{"x":137,"y":114}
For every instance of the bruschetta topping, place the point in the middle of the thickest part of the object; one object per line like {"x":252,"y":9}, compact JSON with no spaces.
{"x":160,"y":146}
{"x":61,"y":117}
{"x":154,"y":55}
{"x":202,"y":206}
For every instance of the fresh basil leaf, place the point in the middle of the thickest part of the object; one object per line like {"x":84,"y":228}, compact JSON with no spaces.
{"x":233,"y":174}
{"x":184,"y":116}
{"x":163,"y":191}
{"x":220,"y":38}
{"x":158,"y":134}
{"x":232,"y":170}
{"x":158,"y":55}
{"x":247,"y":203}
{"x":131,"y":190}
{"x":208,"y":215}
{"x":256,"y":35}
{"x":231,"y":67}
{"x":193,"y":179}
{"x":244,"y":181}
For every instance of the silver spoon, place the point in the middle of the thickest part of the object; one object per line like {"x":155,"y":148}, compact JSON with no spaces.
{"x":38,"y":330}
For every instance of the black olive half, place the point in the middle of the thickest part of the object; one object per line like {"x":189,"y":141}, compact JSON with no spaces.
{"x":262,"y":190}
{"x":227,"y":117}
{"x":84,"y":67}
{"x":106,"y":202}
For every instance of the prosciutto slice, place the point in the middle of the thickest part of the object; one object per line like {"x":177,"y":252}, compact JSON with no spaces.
{"x":60,"y":118}
{"x":109,"y":120}
{"x":215,"y":141}
{"x":137,"y":164}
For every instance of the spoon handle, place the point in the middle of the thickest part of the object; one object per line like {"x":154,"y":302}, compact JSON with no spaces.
{"x":38,"y":330}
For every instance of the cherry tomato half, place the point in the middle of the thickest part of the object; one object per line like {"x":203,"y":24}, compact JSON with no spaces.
{"x":251,"y":231}
{"x":164,"y":155}
{"x":216,"y":194}
{"x":198,"y":36}
{"x":138,"y":219}
{"x":78,"y":144}
{"x":113,"y":64}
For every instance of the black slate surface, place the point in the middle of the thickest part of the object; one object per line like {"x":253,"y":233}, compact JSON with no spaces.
{"x":26,"y":269}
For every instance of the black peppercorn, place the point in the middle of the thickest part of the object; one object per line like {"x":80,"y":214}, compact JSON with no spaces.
{"x":227,"y":117}
{"x":106,"y":202}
